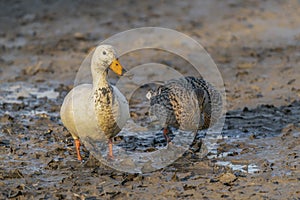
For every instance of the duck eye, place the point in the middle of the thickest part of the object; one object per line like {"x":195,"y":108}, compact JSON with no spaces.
{"x":104,"y":52}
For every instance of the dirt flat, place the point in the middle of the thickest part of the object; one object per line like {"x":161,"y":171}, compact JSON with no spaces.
{"x":256,"y":48}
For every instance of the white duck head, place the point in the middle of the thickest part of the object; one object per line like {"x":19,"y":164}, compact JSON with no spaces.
{"x":105,"y":58}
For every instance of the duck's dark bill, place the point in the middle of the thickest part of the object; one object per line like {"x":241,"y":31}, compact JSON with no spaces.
{"x":116,"y":67}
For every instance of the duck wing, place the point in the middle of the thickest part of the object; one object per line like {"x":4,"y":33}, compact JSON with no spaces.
{"x":77,"y":112}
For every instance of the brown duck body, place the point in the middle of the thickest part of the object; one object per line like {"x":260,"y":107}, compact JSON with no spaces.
{"x":187,"y":103}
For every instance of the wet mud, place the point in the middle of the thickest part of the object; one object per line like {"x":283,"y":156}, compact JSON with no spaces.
{"x":256,"y":49}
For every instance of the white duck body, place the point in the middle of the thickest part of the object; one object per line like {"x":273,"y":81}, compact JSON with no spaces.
{"x":83,"y":114}
{"x":97,"y":110}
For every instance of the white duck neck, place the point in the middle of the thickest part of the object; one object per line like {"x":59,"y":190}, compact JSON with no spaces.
{"x":99,"y":78}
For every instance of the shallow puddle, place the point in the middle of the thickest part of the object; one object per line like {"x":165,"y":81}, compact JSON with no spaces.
{"x":16,"y":92}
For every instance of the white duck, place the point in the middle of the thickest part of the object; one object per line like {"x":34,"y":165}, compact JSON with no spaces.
{"x":97,"y":110}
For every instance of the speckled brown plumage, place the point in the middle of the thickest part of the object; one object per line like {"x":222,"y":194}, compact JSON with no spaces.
{"x":187,"y":103}
{"x":104,"y":101}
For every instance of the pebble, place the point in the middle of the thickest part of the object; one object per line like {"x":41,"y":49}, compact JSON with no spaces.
{"x":246,"y":65}
{"x":79,"y":36}
{"x":227,"y":178}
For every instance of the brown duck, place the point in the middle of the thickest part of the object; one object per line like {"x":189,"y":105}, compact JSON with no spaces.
{"x":187,"y":103}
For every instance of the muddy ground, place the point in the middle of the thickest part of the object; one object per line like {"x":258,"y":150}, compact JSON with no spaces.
{"x":256,"y":48}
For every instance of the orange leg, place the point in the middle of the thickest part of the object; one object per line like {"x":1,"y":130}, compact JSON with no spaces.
{"x":110,"y":149}
{"x":77,"y":146}
{"x":165,"y":132}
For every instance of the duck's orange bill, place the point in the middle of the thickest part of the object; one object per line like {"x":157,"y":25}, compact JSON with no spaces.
{"x":116,"y":67}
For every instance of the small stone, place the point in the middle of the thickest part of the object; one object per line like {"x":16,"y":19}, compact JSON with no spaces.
{"x":29,"y":17}
{"x":245,"y":65}
{"x":227,"y":178}
{"x":252,"y":137}
{"x":79,"y":36}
